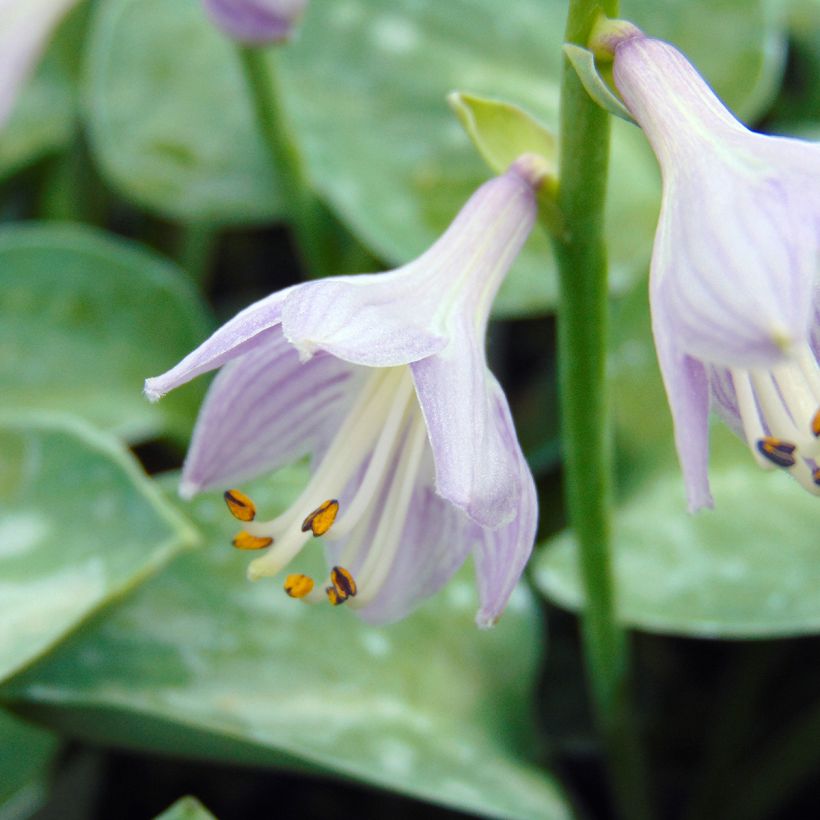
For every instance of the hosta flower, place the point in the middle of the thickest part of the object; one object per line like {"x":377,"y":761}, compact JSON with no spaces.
{"x":255,"y":21}
{"x":25,"y":29}
{"x":734,"y":279}
{"x":383,"y":379}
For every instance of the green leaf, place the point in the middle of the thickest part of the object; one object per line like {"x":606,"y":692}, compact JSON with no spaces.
{"x":750,"y":568}
{"x":84,"y":319}
{"x":79,"y":524}
{"x":191,"y":152}
{"x":365,"y":82}
{"x":25,"y":754}
{"x":186,"y":808}
{"x":431,"y":706}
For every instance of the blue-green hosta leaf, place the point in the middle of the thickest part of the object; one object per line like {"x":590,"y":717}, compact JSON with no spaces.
{"x":750,"y":568}
{"x":79,"y":524}
{"x":169,"y":118}
{"x":366,"y":82}
{"x":84,"y":318}
{"x":25,"y":753}
{"x":203,"y":661}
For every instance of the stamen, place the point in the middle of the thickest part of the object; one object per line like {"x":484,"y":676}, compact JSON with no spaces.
{"x":815,"y":424}
{"x":816,"y":476}
{"x":779,"y":452}
{"x":322,"y":518}
{"x":343,"y":583}
{"x":298,"y":586}
{"x":240,"y":505}
{"x":373,"y":571}
{"x":245,"y":541}
{"x":334,"y":597}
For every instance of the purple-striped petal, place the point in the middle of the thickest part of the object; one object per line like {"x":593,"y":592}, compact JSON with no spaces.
{"x":501,"y":554}
{"x":264,"y":410}
{"x":687,"y":390}
{"x":736,"y":271}
{"x":368,"y":319}
{"x":255,"y":21}
{"x":252,"y":327}
{"x":470,"y":431}
{"x":396,"y":318}
{"x":433,"y":545}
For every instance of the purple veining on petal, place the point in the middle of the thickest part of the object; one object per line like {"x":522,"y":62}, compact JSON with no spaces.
{"x":475,"y":467}
{"x":669,"y":99}
{"x":263,"y":411}
{"x":432,"y":548}
{"x":727,"y":287}
{"x":501,"y":554}
{"x":255,"y":21}
{"x":724,"y":398}
{"x":252,"y":327}
{"x":688,"y":394}
{"x":383,"y":320}
{"x":292,"y":367}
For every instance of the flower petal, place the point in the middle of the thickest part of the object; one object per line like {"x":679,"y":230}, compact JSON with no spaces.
{"x":366,"y":319}
{"x":250,"y":328}
{"x":739,"y":282}
{"x":500,"y":555}
{"x":471,"y":431}
{"x":255,"y":21}
{"x":397,"y":318}
{"x":688,"y":393}
{"x":433,"y":545}
{"x":671,"y":102}
{"x":264,"y":410}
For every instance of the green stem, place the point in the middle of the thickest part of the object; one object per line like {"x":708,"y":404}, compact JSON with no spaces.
{"x":582,"y":336}
{"x":310,"y":221}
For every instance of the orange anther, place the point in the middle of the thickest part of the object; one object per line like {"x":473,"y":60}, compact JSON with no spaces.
{"x":245,"y":541}
{"x":322,"y":518}
{"x":240,"y":505}
{"x":298,"y":586}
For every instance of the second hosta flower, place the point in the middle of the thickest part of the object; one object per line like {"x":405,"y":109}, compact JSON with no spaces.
{"x":383,"y":379}
{"x":734,"y":282}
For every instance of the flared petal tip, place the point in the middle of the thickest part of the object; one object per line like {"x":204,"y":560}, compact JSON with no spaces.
{"x":151,"y":391}
{"x":486,"y":619}
{"x":700,"y":500}
{"x":188,"y":489}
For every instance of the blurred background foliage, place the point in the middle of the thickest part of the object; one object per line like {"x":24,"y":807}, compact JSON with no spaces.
{"x":138,"y":208}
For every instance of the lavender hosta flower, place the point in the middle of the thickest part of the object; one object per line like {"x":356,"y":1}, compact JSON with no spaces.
{"x":25,"y":29}
{"x":256,"y":22}
{"x":734,"y":279}
{"x":383,"y":379}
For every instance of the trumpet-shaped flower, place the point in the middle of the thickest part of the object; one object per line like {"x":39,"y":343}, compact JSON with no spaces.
{"x":383,"y":379}
{"x":255,"y":22}
{"x":734,"y":276}
{"x":25,"y":28}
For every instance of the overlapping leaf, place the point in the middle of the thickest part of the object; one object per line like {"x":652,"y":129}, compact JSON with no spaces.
{"x":79,"y":525}
{"x":366,"y":82}
{"x":84,"y":318}
{"x":431,"y":707}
